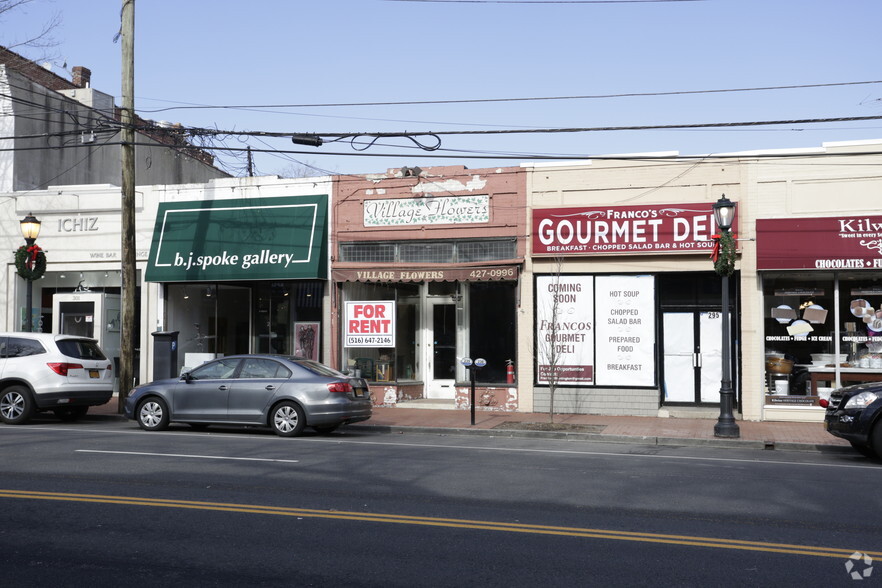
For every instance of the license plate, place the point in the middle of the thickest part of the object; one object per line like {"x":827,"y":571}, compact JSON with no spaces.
{"x":94,"y":373}
{"x":359,"y":393}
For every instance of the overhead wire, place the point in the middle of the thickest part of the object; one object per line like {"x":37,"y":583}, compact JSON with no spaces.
{"x":188,"y":106}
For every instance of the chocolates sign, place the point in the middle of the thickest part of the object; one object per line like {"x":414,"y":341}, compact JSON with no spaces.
{"x":660,"y":228}
{"x":819,"y":243}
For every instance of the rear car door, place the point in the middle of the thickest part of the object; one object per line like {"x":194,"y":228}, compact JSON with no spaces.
{"x":258,"y":382}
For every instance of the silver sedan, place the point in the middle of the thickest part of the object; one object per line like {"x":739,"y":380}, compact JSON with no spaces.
{"x":284,"y":393}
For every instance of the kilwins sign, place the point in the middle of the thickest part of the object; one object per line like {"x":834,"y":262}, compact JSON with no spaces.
{"x":427,"y":211}
{"x":849,"y":242}
{"x":659,"y":228}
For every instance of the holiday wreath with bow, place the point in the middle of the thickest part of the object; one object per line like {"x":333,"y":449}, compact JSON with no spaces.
{"x":30,"y":262}
{"x":723,"y":254}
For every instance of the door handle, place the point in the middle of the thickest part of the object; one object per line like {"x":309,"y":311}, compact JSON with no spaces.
{"x":223,"y":387}
{"x":270,"y":387}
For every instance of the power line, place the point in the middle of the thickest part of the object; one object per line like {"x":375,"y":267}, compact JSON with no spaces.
{"x":497,"y":100}
{"x":194,"y":131}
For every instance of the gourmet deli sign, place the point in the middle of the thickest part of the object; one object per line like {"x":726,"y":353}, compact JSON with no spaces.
{"x":851,"y":242}
{"x":659,"y":228}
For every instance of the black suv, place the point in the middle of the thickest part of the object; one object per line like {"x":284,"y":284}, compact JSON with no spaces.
{"x":855,"y":414}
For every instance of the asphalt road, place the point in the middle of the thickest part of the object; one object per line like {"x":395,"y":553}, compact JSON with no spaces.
{"x":101,"y":503}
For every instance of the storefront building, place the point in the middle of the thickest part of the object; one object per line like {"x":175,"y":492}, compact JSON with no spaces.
{"x":619,"y":253}
{"x":240,"y":266}
{"x":231,"y":266}
{"x":426,"y":270}
{"x":627,"y":308}
{"x":819,"y":263}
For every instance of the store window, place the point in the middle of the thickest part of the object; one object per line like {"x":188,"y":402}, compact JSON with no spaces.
{"x":386,"y":364}
{"x":492,"y":333}
{"x":436,"y":324}
{"x":822,"y":330}
{"x":799,"y":322}
{"x":217,"y":319}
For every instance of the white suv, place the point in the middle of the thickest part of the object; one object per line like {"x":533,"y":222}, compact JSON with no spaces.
{"x":43,"y":372}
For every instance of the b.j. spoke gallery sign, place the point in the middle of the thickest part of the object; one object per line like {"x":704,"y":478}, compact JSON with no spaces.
{"x":603,"y":230}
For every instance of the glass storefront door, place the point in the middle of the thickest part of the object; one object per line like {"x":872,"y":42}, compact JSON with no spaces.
{"x":692,"y":356}
{"x":441,"y":342}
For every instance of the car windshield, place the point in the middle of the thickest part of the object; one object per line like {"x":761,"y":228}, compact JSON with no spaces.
{"x":319,"y":369}
{"x":80,"y":349}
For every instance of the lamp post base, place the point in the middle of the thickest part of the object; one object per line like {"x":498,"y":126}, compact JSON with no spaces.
{"x":727,"y":429}
{"x":726,"y":426}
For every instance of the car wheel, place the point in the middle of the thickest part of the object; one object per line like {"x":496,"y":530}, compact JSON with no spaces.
{"x":287,"y":419}
{"x":326,"y":429}
{"x":16,"y":405}
{"x":864,"y":450}
{"x":876,"y":438}
{"x":71,"y":413}
{"x":152,"y":415}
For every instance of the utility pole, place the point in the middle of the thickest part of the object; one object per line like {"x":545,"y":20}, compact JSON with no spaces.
{"x":127,"y":335}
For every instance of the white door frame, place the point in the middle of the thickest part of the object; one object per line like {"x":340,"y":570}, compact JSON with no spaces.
{"x":441,"y":388}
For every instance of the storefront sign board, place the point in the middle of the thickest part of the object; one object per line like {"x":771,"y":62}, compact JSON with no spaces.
{"x":427,"y":211}
{"x":240,"y":239}
{"x":605,"y":230}
{"x":625,"y":330}
{"x":459,"y":274}
{"x":369,"y":323}
{"x":853,"y":242}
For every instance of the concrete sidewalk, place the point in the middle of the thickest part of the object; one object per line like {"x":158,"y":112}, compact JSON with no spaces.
{"x":617,"y":429}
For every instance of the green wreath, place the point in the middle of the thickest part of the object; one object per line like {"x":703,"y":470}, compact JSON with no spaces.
{"x":724,"y":264}
{"x":23,"y":257}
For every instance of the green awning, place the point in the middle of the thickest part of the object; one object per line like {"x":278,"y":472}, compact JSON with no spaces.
{"x":244,"y":239}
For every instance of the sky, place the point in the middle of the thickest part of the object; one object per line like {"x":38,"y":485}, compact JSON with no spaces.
{"x":286,"y":66}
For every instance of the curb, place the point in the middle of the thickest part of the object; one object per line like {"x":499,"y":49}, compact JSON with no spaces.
{"x":599,"y":437}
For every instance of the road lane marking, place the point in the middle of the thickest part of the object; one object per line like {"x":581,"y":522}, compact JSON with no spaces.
{"x":185,"y":455}
{"x":686,"y":540}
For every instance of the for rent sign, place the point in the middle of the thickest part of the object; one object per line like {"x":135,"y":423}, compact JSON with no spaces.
{"x":369,"y":324}
{"x":659,"y":228}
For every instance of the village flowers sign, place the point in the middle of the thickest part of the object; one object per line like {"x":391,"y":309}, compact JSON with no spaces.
{"x":427,"y":211}
{"x":241,"y":239}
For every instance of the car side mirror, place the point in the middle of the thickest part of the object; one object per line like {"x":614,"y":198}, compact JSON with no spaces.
{"x":186,"y":376}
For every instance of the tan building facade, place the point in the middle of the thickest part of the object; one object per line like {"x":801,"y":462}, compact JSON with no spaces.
{"x":627,"y":307}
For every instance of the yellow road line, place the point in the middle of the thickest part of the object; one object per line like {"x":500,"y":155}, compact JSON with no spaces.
{"x":448,"y":523}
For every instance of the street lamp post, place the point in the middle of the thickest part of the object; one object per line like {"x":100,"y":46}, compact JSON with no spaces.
{"x":724,"y":214}
{"x":30,"y":229}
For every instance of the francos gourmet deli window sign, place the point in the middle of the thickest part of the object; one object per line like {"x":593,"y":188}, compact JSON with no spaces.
{"x":659,"y":228}
{"x":595,"y":330}
{"x":369,"y":323}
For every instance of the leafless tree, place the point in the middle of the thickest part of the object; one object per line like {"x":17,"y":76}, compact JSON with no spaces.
{"x":40,"y":40}
{"x":549,"y":356}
